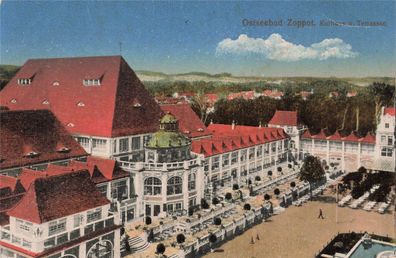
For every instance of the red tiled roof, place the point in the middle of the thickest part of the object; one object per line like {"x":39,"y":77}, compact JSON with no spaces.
{"x":100,"y":170}
{"x":267,"y":93}
{"x":243,"y":94}
{"x":55,"y":197}
{"x":226,"y":139}
{"x":390,"y":111}
{"x":211,"y":98}
{"x":24,"y":132}
{"x":335,"y":137}
{"x":189,"y":122}
{"x":11,"y":183}
{"x":107,"y":109}
{"x":284,"y":118}
{"x":351,"y":138}
{"x":369,"y":138}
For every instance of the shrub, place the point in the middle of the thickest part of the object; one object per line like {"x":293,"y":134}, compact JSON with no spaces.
{"x":217,"y":221}
{"x":249,"y":182}
{"x":204,"y":204}
{"x":289,"y":165}
{"x":148,"y":220}
{"x":362,"y":170}
{"x":235,"y":187}
{"x":213,"y":238}
{"x":327,"y":167}
{"x":277,"y":191}
{"x":269,"y":173}
{"x":180,"y":238}
{"x":247,"y":207}
{"x":293,"y":184}
{"x":258,"y":178}
{"x":161,"y":248}
{"x":228,"y":196}
{"x":267,"y":197}
{"x":215,"y":201}
{"x":279,"y":169}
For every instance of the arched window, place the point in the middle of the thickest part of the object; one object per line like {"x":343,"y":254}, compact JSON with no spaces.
{"x":152,"y":186}
{"x":175,"y":185}
{"x":191,"y":181}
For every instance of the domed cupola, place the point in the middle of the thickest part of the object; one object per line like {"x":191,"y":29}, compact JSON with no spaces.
{"x":168,"y":143}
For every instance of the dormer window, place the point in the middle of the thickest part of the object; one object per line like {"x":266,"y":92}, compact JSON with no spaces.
{"x":24,"y":81}
{"x":45,"y":102}
{"x":91,"y":82}
{"x":137,"y":105}
{"x":63,"y":149}
{"x":200,"y":129}
{"x":55,"y":83}
{"x":70,"y":125}
{"x":31,"y":154}
{"x":80,"y":104}
{"x":13,"y":101}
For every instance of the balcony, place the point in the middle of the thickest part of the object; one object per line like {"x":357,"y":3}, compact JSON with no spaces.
{"x":166,"y":166}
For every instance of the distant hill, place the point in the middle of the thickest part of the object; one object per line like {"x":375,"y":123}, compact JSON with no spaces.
{"x":229,"y":78}
{"x":6,"y":73}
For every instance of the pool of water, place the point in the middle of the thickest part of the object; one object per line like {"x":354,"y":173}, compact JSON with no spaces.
{"x":371,"y":251}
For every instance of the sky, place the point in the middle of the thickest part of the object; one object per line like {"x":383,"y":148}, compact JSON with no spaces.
{"x":213,"y":37}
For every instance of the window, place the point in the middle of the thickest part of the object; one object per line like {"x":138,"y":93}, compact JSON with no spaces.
{"x":24,"y":225}
{"x":103,"y":189}
{"x":386,"y":152}
{"x":191,"y":181}
{"x":94,"y":215}
{"x":16,"y":239}
{"x":206,"y":165}
{"x":259,"y":151}
{"x":57,"y":227}
{"x":119,"y":190}
{"x":152,"y":186}
{"x":91,"y":82}
{"x":215,"y":163}
{"x":175,"y":185}
{"x":390,"y":140}
{"x":170,"y":207}
{"x":243,"y":155}
{"x":99,"y":144}
{"x":386,"y":125}
{"x":135,"y":143}
{"x":226,"y":159}
{"x":146,"y":139}
{"x":234,"y":157}
{"x":273,"y":146}
{"x":251,"y":153}
{"x":266,"y":148}
{"x":83,"y":141}
{"x":24,"y":81}
{"x":77,"y":219}
{"x":62,"y":239}
{"x":179,"y":206}
{"x":124,"y":144}
{"x":383,"y":139}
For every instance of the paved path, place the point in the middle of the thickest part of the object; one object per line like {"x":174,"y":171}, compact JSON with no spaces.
{"x":298,"y":233}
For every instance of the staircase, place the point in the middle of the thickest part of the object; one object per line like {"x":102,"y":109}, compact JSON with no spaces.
{"x":137,"y":245}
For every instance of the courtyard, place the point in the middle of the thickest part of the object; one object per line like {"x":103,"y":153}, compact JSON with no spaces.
{"x":298,"y":232}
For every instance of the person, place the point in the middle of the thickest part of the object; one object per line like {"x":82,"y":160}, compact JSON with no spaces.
{"x":320,"y":214}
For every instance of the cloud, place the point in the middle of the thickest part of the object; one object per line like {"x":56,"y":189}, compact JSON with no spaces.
{"x":276,"y":48}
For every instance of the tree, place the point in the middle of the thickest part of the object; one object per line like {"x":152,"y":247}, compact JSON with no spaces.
{"x":277,"y":191}
{"x":215,"y":201}
{"x":362,"y":170}
{"x":180,"y":238}
{"x":269,"y":173}
{"x":311,"y":171}
{"x":212,"y":240}
{"x":217,"y":221}
{"x":293,"y":184}
{"x":200,"y":105}
{"x":235,"y":187}
{"x":267,"y":197}
{"x":279,"y":169}
{"x":383,"y":95}
{"x":228,"y":196}
{"x":148,"y":220}
{"x":247,"y":207}
{"x":161,"y":248}
{"x":258,"y":178}
{"x":204,"y":204}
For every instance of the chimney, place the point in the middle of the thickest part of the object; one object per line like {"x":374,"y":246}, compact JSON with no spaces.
{"x":259,"y":124}
{"x":233,"y":125}
{"x":211,"y":121}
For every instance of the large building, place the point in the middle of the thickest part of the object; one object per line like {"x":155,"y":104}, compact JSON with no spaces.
{"x":99,"y":100}
{"x":60,"y":216}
